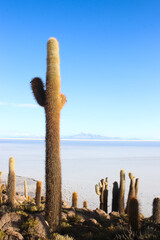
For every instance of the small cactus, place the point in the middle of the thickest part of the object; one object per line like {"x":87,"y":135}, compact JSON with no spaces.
{"x":115,"y":197}
{"x":156,"y":210}
{"x":25,"y":189}
{"x":74,"y":200}
{"x":121,"y":192}
{"x":11,"y":183}
{"x":38,"y":193}
{"x":85,"y":204}
{"x":133,"y":214}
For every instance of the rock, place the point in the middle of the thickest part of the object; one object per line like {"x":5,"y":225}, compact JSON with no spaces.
{"x":100,"y":213}
{"x":20,"y":198}
{"x":13,"y":220}
{"x":65,"y":205}
{"x":71,"y":213}
{"x":42,"y":228}
{"x":114,"y":214}
{"x":91,"y":222}
{"x":64,"y":216}
{"x":13,"y":234}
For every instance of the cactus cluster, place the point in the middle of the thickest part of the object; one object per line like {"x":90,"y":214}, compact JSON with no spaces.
{"x":118,"y":193}
{"x":102,"y":190}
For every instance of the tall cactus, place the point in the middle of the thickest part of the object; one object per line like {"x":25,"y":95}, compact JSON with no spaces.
{"x":131,"y":192}
{"x":115,"y":197}
{"x":121,"y":192}
{"x":156,"y":210}
{"x":11,"y":183}
{"x":133,"y":214}
{"x":52,"y":101}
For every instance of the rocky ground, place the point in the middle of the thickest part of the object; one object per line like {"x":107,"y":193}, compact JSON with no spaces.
{"x":27,"y":221}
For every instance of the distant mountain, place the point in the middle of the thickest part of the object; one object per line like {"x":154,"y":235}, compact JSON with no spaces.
{"x":90,"y":136}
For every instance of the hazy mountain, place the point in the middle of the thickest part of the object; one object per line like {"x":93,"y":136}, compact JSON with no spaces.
{"x":90,"y":136}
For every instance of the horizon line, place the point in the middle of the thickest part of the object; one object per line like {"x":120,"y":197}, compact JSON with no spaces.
{"x":87,"y":140}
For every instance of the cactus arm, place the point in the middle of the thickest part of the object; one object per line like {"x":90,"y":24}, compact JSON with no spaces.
{"x":38,"y":91}
{"x":63,"y":100}
{"x":97,"y":189}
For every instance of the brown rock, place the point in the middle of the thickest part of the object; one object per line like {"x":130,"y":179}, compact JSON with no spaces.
{"x":100,"y":213}
{"x":90,"y":222}
{"x":64,"y":216}
{"x":13,"y":234}
{"x":42,"y":228}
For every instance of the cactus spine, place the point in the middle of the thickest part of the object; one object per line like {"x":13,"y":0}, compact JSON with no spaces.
{"x":25,"y":189}
{"x":102,"y":190}
{"x":85,"y":204}
{"x":11,"y":183}
{"x":115,"y":197}
{"x":156,"y":210}
{"x":52,"y":100}
{"x":133,"y":214}
{"x":121,"y":192}
{"x":38,"y":193}
{"x":75,"y":200}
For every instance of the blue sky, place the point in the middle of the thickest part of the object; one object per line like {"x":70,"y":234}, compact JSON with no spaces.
{"x":109,"y":61}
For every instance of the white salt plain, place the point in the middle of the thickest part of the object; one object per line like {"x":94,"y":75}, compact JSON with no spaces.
{"x":84,"y":163}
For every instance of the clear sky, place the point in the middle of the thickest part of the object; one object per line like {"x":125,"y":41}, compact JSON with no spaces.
{"x":109,"y":61}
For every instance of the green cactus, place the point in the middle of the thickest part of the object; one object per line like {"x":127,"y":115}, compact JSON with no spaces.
{"x":38,"y":193}
{"x":121,"y":192}
{"x":74,"y":200}
{"x":156,"y":210}
{"x":115,"y":197}
{"x":52,"y":101}
{"x":102,"y":190}
{"x":11,"y":191}
{"x":133,"y":214}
